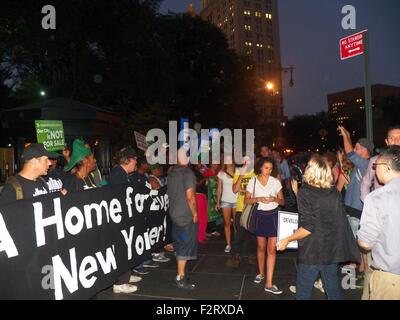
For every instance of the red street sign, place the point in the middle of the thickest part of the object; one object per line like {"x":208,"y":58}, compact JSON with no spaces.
{"x":352,"y":45}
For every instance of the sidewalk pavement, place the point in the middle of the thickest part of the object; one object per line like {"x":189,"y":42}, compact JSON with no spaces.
{"x":215,"y":281}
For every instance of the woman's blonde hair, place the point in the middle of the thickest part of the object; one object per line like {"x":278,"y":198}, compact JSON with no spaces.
{"x":318,"y":173}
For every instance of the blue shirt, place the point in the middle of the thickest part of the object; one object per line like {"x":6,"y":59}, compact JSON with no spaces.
{"x":353,"y":191}
{"x":380,"y":225}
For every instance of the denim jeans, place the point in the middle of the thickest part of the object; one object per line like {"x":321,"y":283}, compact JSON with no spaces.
{"x":306,"y":276}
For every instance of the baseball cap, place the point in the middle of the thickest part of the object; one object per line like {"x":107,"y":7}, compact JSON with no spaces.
{"x":37,"y":150}
{"x":367,"y":144}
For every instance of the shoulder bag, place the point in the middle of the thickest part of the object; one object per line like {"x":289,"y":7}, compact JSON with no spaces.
{"x":248,"y":217}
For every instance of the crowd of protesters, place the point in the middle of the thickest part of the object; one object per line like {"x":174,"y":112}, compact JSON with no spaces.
{"x":347,"y":204}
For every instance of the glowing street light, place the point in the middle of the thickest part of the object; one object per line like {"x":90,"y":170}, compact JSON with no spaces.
{"x":42,"y":93}
{"x":269,"y":86}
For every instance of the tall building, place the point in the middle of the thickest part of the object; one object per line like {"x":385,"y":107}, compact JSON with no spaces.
{"x":347,"y":108}
{"x":252,"y":29}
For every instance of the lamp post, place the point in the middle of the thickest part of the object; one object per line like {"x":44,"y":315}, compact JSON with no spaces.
{"x":271,"y":88}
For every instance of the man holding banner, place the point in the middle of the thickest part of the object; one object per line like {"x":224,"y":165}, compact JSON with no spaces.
{"x":120,"y":174}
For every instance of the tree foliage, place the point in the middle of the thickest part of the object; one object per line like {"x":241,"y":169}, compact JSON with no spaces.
{"x":123,"y":55}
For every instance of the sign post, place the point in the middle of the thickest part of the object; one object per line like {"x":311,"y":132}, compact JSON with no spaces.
{"x":352,"y":46}
{"x":140,"y":140}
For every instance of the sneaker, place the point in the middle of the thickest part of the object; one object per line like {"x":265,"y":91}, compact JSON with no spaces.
{"x":141,"y":271}
{"x":227,"y":249}
{"x":124,"y":288}
{"x":259,"y":278}
{"x":183,"y":283}
{"x":292,"y":289}
{"x":150,"y":264}
{"x":160,"y":257}
{"x":318,"y":285}
{"x":274,"y":290}
{"x":133,"y":279}
{"x":215,"y":234}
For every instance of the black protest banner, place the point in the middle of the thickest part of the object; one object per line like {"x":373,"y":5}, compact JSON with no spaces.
{"x":73,"y":246}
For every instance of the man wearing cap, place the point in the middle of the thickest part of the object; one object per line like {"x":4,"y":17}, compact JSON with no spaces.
{"x":359,"y":156}
{"x":156,"y":178}
{"x":28,"y":183}
{"x":83,"y":161}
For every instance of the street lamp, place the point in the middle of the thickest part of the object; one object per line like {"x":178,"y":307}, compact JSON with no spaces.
{"x":42,"y":93}
{"x":269,"y":86}
{"x":286,"y":69}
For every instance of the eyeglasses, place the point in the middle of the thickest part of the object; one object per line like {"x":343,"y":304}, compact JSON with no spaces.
{"x":374,"y":165}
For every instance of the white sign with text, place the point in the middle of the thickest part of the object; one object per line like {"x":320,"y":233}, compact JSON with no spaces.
{"x":287,"y":225}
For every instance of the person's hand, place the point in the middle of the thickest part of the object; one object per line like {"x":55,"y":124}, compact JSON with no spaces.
{"x":295,"y":186}
{"x":195,"y":219}
{"x":63,"y":191}
{"x":217,"y":207}
{"x":343,"y":132}
{"x":282,"y":245}
{"x":244,"y":169}
{"x":267,"y":199}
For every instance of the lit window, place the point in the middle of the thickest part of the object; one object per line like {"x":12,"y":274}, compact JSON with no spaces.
{"x":247,"y":27}
{"x":247,"y":12}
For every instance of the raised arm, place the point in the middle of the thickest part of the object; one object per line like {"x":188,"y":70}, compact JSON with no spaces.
{"x":348,"y":144}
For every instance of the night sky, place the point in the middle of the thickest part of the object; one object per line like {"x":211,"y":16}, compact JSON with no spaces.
{"x":310,"y":32}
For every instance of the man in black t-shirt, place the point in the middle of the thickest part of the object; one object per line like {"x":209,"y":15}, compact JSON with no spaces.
{"x":55,"y":176}
{"x":28,"y":183}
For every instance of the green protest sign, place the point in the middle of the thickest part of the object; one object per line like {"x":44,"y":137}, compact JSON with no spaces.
{"x":50,"y":133}
{"x":213,"y":215}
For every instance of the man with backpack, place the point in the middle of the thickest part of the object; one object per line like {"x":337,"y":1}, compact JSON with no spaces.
{"x":28,"y":183}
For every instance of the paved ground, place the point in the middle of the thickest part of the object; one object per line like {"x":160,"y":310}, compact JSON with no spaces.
{"x":215,"y":281}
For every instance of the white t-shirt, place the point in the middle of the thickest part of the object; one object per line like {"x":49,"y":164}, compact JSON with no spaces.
{"x":270,"y":190}
{"x":227,"y":183}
